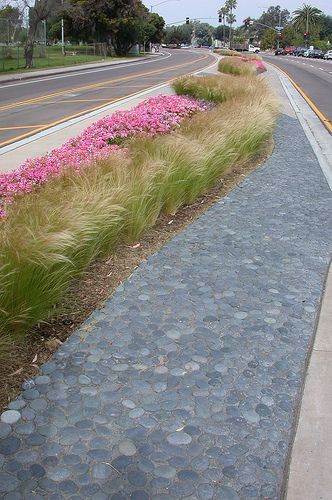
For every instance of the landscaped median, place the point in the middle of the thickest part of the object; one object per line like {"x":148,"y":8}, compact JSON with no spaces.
{"x":242,"y":66}
{"x":110,"y":184}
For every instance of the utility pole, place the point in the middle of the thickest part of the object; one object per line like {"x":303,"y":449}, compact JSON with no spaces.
{"x":62,"y":34}
{"x":278,"y":39}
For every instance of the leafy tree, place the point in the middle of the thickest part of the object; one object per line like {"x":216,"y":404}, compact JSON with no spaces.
{"x":307,"y":19}
{"x":231,"y":19}
{"x":291,"y":37}
{"x":326,"y":26}
{"x":39,"y":12}
{"x":272,"y":17}
{"x":231,"y":6}
{"x":204,"y":33}
{"x":269,"y":39}
{"x":179,"y":34}
{"x":156,"y":30}
{"x":126,"y":32}
{"x":221,"y":32}
{"x":11,"y":22}
{"x":223,"y":12}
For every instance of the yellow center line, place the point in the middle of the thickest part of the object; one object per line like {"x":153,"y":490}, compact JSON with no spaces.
{"x":96,"y":85}
{"x":70,"y":100}
{"x":66,"y":118}
{"x":313,"y":106}
{"x":21,"y":126}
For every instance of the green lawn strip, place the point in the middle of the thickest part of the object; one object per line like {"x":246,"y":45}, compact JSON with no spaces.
{"x":13,"y":60}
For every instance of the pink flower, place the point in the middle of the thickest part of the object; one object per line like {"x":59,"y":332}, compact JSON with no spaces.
{"x":156,"y":115}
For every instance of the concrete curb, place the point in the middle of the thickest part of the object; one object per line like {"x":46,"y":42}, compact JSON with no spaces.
{"x":309,"y":469}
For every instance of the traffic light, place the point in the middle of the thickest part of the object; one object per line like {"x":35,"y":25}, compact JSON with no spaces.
{"x":305,"y":34}
{"x":187,"y":20}
{"x":220,"y":18}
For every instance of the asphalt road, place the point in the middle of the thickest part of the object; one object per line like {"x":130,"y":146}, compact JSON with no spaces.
{"x":314,"y":76}
{"x":30,"y":106}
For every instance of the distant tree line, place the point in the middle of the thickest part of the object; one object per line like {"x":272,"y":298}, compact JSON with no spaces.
{"x":123,"y":23}
{"x":119,"y":23}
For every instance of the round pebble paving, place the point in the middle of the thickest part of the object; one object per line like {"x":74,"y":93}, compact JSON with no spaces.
{"x":185,"y":382}
{"x":127,"y":448}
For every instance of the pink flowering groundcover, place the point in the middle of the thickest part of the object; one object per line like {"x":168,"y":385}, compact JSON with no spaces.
{"x":260,"y":66}
{"x":156,"y":115}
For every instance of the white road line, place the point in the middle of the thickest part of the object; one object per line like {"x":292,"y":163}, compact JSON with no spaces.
{"x":41,"y":78}
{"x":72,"y":121}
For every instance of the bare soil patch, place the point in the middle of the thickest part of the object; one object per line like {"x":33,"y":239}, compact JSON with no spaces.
{"x":24,"y":356}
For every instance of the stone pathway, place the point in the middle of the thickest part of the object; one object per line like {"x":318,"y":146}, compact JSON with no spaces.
{"x":185,"y":384}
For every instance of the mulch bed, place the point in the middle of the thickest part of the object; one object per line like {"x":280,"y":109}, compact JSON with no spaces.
{"x":24,"y":356}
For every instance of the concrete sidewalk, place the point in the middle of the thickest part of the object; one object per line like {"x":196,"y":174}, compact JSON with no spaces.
{"x":187,"y":382}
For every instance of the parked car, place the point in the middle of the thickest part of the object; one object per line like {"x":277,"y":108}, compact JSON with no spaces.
{"x":307,"y":53}
{"x":316,"y":54}
{"x":279,"y":52}
{"x":328,"y":54}
{"x":289,"y":50}
{"x":299,"y":51}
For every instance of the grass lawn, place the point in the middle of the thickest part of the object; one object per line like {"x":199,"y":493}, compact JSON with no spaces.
{"x":12,"y":58}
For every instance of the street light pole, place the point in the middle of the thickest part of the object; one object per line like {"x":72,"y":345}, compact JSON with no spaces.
{"x":155,"y":5}
{"x":62,"y":33}
{"x":160,"y":3}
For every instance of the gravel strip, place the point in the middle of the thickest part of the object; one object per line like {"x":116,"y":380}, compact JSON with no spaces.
{"x":185,"y":384}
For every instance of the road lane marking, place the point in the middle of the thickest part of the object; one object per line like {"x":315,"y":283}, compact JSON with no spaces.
{"x":96,"y":85}
{"x":313,"y":106}
{"x":83,"y":100}
{"x":20,"y":127}
{"x":96,"y":108}
{"x":88,"y":71}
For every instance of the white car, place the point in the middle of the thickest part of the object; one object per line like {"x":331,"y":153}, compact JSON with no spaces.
{"x":254,"y":49}
{"x":328,"y":54}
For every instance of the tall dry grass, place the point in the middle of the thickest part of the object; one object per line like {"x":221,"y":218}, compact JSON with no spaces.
{"x":228,"y":52}
{"x":51,"y":236}
{"x":214,"y":88}
{"x":235,"y":66}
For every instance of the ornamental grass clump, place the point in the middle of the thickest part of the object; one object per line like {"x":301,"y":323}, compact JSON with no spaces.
{"x":236,"y":66}
{"x":214,"y":88}
{"x":228,"y":52}
{"x":157,"y":115}
{"x":50,"y":236}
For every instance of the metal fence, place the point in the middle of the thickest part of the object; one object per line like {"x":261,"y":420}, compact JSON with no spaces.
{"x":47,"y":56}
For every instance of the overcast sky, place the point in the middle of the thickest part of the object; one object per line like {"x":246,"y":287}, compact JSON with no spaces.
{"x":178,"y":10}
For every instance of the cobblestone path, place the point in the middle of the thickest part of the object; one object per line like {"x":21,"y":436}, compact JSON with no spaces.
{"x":184,"y":385}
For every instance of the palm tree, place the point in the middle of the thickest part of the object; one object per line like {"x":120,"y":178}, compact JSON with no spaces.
{"x":223,"y":12}
{"x":231,"y":5}
{"x":306,"y":18}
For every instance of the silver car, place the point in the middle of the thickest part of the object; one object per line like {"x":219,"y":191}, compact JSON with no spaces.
{"x":328,"y":54}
